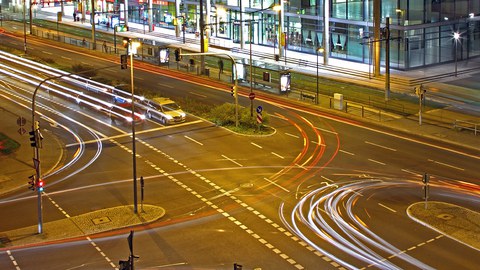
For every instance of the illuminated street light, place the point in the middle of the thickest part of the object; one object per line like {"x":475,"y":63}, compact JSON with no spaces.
{"x":456,"y":37}
{"x":319,"y":50}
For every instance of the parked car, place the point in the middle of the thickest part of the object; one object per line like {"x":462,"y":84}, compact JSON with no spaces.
{"x":164,"y":110}
{"x":123,"y":113}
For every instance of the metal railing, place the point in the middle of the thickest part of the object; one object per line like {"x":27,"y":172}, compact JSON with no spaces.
{"x":462,"y":124}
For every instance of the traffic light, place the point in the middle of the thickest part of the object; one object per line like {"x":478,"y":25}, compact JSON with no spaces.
{"x":426,"y":178}
{"x":123,"y":61}
{"x":232,"y":92}
{"x":40,"y":185}
{"x":125,"y":42}
{"x":124,"y":265}
{"x":178,"y":57}
{"x":33,"y":138}
{"x":32,"y":181}
{"x":237,"y":266}
{"x":122,"y":28}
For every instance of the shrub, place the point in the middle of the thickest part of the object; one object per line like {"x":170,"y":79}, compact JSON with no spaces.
{"x":86,"y":70}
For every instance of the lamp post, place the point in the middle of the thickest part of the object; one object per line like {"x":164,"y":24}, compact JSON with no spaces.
{"x":131,"y":49}
{"x":319,"y":50}
{"x":456,"y":37}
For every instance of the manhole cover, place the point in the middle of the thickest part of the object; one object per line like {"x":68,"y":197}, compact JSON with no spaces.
{"x":445,"y":216}
{"x":101,"y":220}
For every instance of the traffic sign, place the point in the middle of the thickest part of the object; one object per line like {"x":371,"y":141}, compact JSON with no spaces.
{"x":21,"y":121}
{"x":251,"y":96}
{"x":21,"y":130}
{"x":259,"y":109}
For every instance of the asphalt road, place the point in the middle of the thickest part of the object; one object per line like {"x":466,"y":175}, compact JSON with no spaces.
{"x":228,"y":197}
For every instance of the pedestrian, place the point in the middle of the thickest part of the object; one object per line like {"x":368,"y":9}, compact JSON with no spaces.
{"x":105,"y":46}
{"x":220,"y":66}
{"x":84,"y":42}
{"x":74,"y":16}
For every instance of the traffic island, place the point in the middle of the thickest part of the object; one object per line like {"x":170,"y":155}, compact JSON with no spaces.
{"x":456,"y":222}
{"x":83,"y":225}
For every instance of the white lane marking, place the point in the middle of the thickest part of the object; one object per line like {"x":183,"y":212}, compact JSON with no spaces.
{"x":387,"y":207}
{"x":229,"y":159}
{"x":329,"y":180}
{"x":193,"y":140}
{"x":345,"y":152}
{"x":165,"y":85}
{"x":275,"y":154}
{"x":408,"y":171}
{"x":381,"y":146}
{"x":376,"y":161}
{"x":198,"y":95}
{"x":447,"y":165}
{"x":326,"y":130}
{"x":66,"y":58}
{"x":102,"y":253}
{"x":13,"y":260}
{"x":256,"y":145}
{"x":292,"y":135}
{"x":300,"y":166}
{"x":270,"y":181}
{"x":319,"y":143}
{"x":47,"y":52}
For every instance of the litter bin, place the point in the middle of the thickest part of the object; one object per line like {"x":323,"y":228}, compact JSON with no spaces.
{"x":207,"y":72}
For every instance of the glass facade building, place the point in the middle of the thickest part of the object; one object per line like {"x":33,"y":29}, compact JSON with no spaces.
{"x":421,"y":30}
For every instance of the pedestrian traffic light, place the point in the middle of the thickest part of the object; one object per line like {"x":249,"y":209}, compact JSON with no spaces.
{"x":33,"y":138}
{"x":31,"y":183}
{"x":233,"y":91}
{"x":121,"y":28}
{"x":40,"y":185}
{"x":178,"y":57}
{"x":123,"y":61}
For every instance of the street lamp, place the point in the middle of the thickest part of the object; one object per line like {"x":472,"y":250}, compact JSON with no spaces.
{"x":401,"y":13}
{"x":279,"y":9}
{"x":131,"y":49}
{"x":456,"y":37}
{"x":319,"y":50}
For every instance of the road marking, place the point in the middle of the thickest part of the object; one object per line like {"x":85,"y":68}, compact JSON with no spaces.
{"x":229,"y":159}
{"x":275,"y":154}
{"x":47,"y":52}
{"x":165,"y":85}
{"x":345,"y":152}
{"x":378,"y":162}
{"x":319,"y":143}
{"x":326,"y":130}
{"x":256,"y":145}
{"x":270,"y":181}
{"x":414,"y":173}
{"x":447,"y":165}
{"x":101,"y":253}
{"x":291,"y":135}
{"x":381,"y":146}
{"x":387,"y":207}
{"x":198,"y":95}
{"x":331,"y":181}
{"x":13,"y":260}
{"x":67,"y":58}
{"x":193,"y":140}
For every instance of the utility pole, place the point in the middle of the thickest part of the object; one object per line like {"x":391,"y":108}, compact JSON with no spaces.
{"x":387,"y":58}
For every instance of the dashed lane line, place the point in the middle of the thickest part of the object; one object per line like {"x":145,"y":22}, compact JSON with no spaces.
{"x":12,"y":259}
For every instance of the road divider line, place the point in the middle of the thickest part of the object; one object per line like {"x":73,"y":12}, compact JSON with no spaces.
{"x":376,"y":161}
{"x":198,"y":95}
{"x":193,"y":140}
{"x":165,"y":85}
{"x":12,"y":259}
{"x":386,"y":207}
{"x":256,"y":145}
{"x":272,"y":182}
{"x":381,"y":146}
{"x":446,"y":165}
{"x":275,"y":154}
{"x":292,"y":135}
{"x":345,"y":152}
{"x":229,"y":159}
{"x":326,"y":130}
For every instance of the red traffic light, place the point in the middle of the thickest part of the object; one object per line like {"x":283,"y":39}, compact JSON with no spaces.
{"x":40,"y":185}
